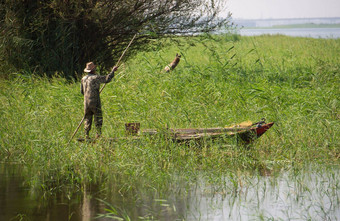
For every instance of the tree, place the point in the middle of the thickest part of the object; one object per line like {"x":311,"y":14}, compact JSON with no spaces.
{"x":48,"y":36}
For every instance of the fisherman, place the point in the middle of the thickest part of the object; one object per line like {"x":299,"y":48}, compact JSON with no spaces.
{"x":90,"y":85}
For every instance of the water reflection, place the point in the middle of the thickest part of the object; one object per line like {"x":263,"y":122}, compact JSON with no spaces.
{"x":310,"y":194}
{"x":19,"y":201}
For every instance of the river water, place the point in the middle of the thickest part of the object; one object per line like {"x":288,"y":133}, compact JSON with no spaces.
{"x":309,"y":194}
{"x":295,"y":32}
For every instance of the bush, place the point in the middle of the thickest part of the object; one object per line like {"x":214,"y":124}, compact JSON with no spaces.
{"x":61,"y":36}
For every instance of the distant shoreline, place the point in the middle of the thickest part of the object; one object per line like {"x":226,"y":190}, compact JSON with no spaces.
{"x":262,"y":19}
{"x":288,"y":23}
{"x":307,"y":25}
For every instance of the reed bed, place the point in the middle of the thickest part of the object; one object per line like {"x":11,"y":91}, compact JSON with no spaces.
{"x":221,"y":80}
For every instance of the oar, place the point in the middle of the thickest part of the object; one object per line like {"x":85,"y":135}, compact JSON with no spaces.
{"x":82,"y":120}
{"x":120,"y":58}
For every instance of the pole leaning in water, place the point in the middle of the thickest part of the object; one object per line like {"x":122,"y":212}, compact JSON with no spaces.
{"x":82,"y":120}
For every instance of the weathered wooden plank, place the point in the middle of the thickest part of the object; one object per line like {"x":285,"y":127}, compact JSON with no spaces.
{"x":198,"y":130}
{"x":203,"y":135}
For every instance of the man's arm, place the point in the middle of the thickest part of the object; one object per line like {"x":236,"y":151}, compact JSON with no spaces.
{"x":108,"y":78}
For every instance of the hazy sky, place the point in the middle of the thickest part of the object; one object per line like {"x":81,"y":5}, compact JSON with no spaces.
{"x":284,"y":8}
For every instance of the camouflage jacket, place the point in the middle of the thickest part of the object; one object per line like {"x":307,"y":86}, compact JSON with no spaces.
{"x":90,"y":85}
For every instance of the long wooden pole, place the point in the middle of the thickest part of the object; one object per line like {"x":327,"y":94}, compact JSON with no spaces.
{"x":120,"y":58}
{"x":117,"y":64}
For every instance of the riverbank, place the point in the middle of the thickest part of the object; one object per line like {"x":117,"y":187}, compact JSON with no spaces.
{"x":219,"y":82}
{"x":308,"y":27}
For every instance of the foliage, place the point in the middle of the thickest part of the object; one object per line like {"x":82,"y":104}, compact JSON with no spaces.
{"x":291,"y":81}
{"x":51,"y":36}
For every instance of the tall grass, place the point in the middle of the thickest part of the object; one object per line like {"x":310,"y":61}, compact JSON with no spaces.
{"x":291,"y":81}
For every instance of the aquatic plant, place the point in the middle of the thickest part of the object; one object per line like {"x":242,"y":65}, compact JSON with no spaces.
{"x":220,"y":81}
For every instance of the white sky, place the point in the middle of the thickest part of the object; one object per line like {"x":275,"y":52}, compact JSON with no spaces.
{"x":255,"y":9}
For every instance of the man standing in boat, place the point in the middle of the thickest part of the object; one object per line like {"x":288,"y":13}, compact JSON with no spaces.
{"x":90,"y":86}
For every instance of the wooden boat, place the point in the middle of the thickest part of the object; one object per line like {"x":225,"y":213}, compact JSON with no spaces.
{"x":246,"y":134}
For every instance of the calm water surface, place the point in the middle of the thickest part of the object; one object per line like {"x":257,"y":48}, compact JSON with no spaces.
{"x":296,"y":32}
{"x":299,"y":195}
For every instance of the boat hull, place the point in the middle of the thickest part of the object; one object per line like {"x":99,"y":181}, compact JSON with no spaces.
{"x":244,"y":134}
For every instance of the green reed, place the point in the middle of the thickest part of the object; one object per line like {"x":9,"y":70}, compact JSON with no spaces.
{"x":221,"y":80}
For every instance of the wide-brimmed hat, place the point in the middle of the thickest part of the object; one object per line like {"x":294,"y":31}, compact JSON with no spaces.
{"x":90,"y":66}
